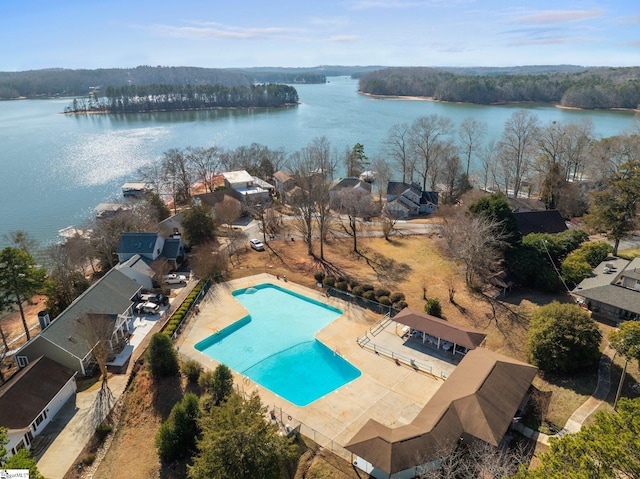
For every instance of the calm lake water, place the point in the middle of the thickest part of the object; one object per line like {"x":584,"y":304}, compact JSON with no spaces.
{"x":56,"y":168}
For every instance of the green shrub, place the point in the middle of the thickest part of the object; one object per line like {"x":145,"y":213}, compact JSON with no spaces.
{"x":357,"y":291}
{"x":353,"y":283}
{"x":382,"y":292}
{"x":370,"y":295}
{"x":432,"y":307}
{"x":367,"y":287}
{"x":384,"y":300}
{"x":87,"y":459}
{"x":400,"y":305}
{"x":102,"y":431}
{"x":318,"y":276}
{"x":342,"y":285}
{"x":396,"y":297}
{"x":191,"y":369}
{"x":161,"y":358}
{"x":329,"y":281}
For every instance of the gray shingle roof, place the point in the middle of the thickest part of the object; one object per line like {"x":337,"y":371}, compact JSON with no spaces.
{"x":139,"y":243}
{"x":110,"y":295}
{"x":171,"y":248}
{"x":548,"y":221}
{"x":396,"y":188}
{"x":28,"y":392}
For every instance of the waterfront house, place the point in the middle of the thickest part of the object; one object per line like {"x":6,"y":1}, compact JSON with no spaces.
{"x":345,"y":192}
{"x":151,"y":246}
{"x":407,"y":199}
{"x":31,"y":398}
{"x":284,"y":183}
{"x":253,"y":189}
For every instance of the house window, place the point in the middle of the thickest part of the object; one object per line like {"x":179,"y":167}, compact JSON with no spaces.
{"x":22,"y":361}
{"x":28,"y":437}
{"x":18,"y":447}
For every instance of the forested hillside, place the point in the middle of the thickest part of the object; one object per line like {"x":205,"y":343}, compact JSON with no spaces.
{"x":592,"y":88}
{"x":63,"y":82}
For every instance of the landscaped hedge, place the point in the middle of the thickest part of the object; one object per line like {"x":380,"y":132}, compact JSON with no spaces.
{"x":181,"y":312}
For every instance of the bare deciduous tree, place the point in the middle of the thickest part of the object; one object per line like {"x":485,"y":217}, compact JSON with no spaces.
{"x":478,"y":242}
{"x":429,"y":143}
{"x":227,"y":212}
{"x":398,"y":148}
{"x":206,"y":164}
{"x":471,"y":134}
{"x":517,"y":148}
{"x":209,"y":261}
{"x":477,"y":459}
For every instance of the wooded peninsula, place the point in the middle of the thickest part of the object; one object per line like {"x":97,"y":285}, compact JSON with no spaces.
{"x":589,"y":88}
{"x":142,"y":99}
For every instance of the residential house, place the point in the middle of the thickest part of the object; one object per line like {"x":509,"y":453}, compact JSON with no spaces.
{"x":477,"y":402}
{"x":220,"y":197}
{"x":344,"y":192}
{"x":284,"y":183}
{"x":138,"y":269}
{"x":407,"y":199}
{"x":521,"y":205}
{"x":31,"y":398}
{"x":65,"y":339}
{"x":253,"y":189}
{"x":545,"y":221}
{"x":151,"y":246}
{"x":171,"y":226}
{"x":612,"y":292}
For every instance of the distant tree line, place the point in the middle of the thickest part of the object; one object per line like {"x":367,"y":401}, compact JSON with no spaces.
{"x":142,"y":98}
{"x":288,"y":77}
{"x":63,"y":82}
{"x":595,"y":88}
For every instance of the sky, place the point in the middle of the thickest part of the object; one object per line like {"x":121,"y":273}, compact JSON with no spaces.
{"x":38,"y":34}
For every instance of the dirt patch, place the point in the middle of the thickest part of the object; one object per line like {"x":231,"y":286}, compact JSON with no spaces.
{"x":14,"y":333}
{"x":132,"y":454}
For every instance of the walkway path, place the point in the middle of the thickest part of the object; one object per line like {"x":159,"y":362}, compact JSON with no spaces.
{"x":575,"y":421}
{"x":74,"y":425}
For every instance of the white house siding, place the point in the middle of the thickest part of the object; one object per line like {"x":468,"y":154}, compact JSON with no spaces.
{"x":16,"y":436}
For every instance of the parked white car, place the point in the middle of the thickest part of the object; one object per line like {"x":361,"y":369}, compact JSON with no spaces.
{"x":256,"y":244}
{"x":147,"y":308}
{"x":175,"y":278}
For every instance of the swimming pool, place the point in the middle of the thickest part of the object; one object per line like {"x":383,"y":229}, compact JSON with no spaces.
{"x":275,"y":345}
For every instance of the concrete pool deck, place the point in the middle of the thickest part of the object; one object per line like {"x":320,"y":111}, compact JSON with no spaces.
{"x":386,"y":392}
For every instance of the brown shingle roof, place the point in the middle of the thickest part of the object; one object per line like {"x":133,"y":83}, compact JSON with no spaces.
{"x":29,"y":391}
{"x":440,"y":328}
{"x":480,"y":399}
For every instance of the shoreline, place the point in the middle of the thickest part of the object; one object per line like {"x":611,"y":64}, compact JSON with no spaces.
{"x":106,"y":112}
{"x":430,"y":98}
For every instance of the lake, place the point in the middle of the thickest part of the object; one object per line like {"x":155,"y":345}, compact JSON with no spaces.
{"x":56,"y":168}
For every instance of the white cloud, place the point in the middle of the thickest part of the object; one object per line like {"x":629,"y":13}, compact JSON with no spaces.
{"x":548,"y":17}
{"x":216,"y":30}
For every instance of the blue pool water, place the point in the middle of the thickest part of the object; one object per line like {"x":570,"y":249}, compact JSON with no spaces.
{"x":275,"y":346}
